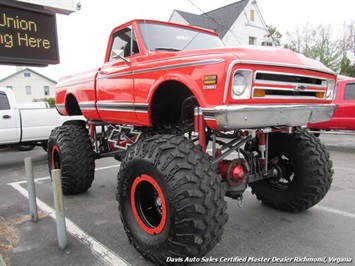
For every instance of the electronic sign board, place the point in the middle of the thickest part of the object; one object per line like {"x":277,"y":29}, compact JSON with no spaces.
{"x":27,"y":36}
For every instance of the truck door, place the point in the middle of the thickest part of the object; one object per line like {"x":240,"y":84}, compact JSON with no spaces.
{"x":8,"y":121}
{"x":115,"y":81}
{"x":347,"y":107}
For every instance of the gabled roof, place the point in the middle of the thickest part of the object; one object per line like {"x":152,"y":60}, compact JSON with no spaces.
{"x":219,"y":20}
{"x":30,"y":70}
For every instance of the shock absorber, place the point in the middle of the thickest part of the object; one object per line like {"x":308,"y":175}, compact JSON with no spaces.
{"x":200,"y":127}
{"x":262,"y":146}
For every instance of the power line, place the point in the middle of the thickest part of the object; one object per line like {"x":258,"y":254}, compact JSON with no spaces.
{"x":204,"y":13}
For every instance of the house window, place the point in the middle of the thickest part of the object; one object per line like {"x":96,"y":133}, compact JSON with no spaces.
{"x":28,"y":90}
{"x":266,"y":43}
{"x":252,"y":40}
{"x":46,"y":90}
{"x":252,"y":15}
{"x":349,"y":91}
{"x":27,"y":75}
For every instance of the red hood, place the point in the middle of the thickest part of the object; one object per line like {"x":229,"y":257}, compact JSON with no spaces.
{"x":276,"y":56}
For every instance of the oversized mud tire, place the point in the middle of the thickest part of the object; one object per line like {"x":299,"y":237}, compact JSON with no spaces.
{"x":70,"y":149}
{"x":171,"y":201}
{"x":305,"y":168}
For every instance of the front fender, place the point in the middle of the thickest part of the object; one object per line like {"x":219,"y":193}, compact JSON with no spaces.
{"x":186,"y":80}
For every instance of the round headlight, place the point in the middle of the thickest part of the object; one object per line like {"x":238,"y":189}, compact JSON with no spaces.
{"x":331,"y":86}
{"x":239,"y":84}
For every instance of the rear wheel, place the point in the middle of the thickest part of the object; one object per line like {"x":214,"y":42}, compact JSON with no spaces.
{"x":70,"y":149}
{"x":171,"y":201}
{"x":304,"y":172}
{"x":23,"y":147}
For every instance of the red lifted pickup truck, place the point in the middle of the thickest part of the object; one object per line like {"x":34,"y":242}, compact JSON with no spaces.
{"x":161,"y":82}
{"x":344,"y":115}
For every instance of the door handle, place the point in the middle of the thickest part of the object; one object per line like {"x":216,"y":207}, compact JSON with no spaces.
{"x":6,"y":116}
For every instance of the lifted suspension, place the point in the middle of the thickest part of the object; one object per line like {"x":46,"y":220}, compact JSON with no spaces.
{"x":249,"y":166}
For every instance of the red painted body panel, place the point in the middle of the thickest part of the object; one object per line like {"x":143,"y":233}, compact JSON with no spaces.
{"x":344,"y":115}
{"x":82,"y":87}
{"x":121,"y":92}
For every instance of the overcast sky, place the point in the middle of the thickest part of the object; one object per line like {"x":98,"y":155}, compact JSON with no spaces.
{"x":83,"y":35}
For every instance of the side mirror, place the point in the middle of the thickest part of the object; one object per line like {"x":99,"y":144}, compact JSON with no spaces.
{"x":115,"y":54}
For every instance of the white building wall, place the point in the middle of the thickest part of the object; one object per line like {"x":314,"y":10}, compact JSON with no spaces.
{"x":244,"y":27}
{"x":19,"y":82}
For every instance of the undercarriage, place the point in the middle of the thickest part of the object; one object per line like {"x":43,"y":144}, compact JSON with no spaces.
{"x":240,"y":158}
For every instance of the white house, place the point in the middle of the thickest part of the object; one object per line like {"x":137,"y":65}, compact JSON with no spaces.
{"x":239,"y":23}
{"x":27,"y":85}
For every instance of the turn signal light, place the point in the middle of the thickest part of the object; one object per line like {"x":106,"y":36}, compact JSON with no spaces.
{"x":210,"y":80}
{"x":259,"y":93}
{"x":320,"y":95}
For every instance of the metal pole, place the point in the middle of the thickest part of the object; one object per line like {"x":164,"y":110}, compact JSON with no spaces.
{"x":59,"y":207}
{"x":31,"y":189}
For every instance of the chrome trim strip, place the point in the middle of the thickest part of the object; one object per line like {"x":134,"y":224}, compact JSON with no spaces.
{"x":123,"y":107}
{"x":87,"y":105}
{"x":109,"y":76}
{"x":147,"y":70}
{"x":141,"y":108}
{"x":60,"y":106}
{"x":196,"y":63}
{"x":229,"y":72}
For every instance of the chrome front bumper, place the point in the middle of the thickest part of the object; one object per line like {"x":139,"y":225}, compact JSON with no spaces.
{"x":257,"y":116}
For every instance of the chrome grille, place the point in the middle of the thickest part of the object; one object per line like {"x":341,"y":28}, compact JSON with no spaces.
{"x":286,"y":85}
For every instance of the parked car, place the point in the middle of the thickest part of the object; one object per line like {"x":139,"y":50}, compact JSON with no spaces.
{"x":344,"y":116}
{"x":30,"y":125}
{"x":33,"y":105}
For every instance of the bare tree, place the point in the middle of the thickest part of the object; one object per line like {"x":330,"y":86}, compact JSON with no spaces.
{"x":347,"y":38}
{"x":301,"y":39}
{"x":324,"y":49}
{"x":316,"y":43}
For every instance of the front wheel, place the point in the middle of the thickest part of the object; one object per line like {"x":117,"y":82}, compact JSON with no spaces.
{"x":304,"y":172}
{"x":70,"y":149}
{"x":171,"y":201}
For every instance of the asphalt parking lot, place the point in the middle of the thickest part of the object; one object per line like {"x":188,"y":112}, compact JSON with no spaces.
{"x":96,"y":236}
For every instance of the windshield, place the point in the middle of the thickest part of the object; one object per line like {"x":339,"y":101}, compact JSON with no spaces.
{"x":173,"y":38}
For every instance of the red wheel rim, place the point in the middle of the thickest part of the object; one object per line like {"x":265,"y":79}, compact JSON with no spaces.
{"x":55,"y":160}
{"x":148,"y":204}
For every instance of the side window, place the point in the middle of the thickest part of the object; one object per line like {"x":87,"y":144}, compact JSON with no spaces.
{"x":124,"y":44}
{"x":4,"y":102}
{"x":349,"y":91}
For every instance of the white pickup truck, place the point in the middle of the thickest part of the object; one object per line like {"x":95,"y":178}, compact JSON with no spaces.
{"x":27,"y":126}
